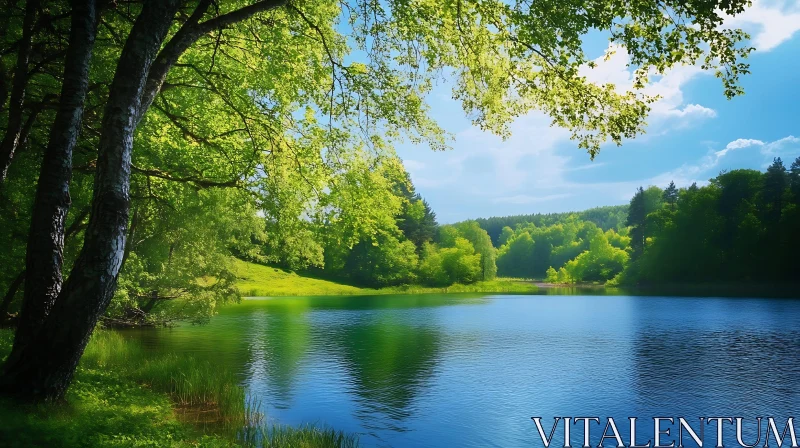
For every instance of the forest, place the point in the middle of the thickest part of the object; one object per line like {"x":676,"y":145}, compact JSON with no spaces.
{"x":149,"y":147}
{"x":607,"y":217}
{"x":739,"y":228}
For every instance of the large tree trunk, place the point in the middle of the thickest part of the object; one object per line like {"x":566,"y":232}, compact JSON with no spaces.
{"x":45,"y":256}
{"x":5,"y":305}
{"x":42,"y":367}
{"x":11,"y":140}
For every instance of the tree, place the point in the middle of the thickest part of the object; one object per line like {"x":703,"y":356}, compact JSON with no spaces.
{"x":609,"y":217}
{"x":443,"y":266}
{"x":738,"y":228}
{"x":792,"y":222}
{"x":776,"y":180}
{"x":359,"y":213}
{"x":188,"y":235}
{"x":14,"y":135}
{"x":505,"y":235}
{"x":637,"y":213}
{"x":483,"y":245}
{"x":551,"y":275}
{"x":670,"y":195}
{"x":385,"y":261}
{"x":56,"y":320}
{"x":534,"y":251}
{"x":417,"y":220}
{"x":504,"y":61}
{"x":515,"y":257}
{"x":642,"y":204}
{"x":775,"y":190}
{"x":794,"y":180}
{"x":600,"y":263}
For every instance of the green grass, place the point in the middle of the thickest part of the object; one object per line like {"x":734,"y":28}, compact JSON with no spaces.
{"x":202,"y":393}
{"x":258,"y":280}
{"x":306,"y":436}
{"x":255,"y":280}
{"x":505,"y":285}
{"x":123,"y":397}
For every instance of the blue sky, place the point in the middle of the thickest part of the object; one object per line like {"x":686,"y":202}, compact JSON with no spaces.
{"x":693,"y":134}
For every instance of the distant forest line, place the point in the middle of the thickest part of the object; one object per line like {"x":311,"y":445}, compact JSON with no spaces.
{"x":605,"y":217}
{"x":741,"y":227}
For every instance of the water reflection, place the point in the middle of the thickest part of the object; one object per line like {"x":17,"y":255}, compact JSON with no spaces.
{"x":435,"y":370}
{"x":724,"y":356}
{"x":279,"y":345}
{"x":389,"y":364}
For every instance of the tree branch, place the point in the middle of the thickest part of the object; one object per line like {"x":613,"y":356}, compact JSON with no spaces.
{"x":187,"y":35}
{"x":198,"y":182}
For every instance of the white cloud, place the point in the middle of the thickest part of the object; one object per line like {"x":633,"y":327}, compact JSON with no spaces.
{"x":688,"y":173}
{"x":692,"y":110}
{"x":529,"y":158}
{"x":754,"y":153}
{"x":534,"y":164}
{"x":741,"y":143}
{"x":669,"y":110}
{"x":770,"y":23}
{"x":786,"y":146}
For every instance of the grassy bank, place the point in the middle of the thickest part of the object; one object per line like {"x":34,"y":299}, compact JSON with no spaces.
{"x":123,"y":397}
{"x":258,"y":280}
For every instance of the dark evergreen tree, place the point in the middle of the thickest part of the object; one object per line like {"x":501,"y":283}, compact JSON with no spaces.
{"x":417,"y":220}
{"x":670,"y":195}
{"x":775,"y":182}
{"x":637,"y":213}
{"x":794,"y":180}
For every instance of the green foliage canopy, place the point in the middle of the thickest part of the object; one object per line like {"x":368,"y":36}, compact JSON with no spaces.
{"x":298,"y":108}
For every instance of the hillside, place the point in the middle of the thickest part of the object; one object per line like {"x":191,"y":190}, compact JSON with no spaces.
{"x":258,"y":280}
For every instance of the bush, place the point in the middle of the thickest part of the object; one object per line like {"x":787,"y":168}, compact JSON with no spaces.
{"x":449,"y":265}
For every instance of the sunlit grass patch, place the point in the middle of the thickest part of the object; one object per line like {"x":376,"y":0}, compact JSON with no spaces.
{"x":259,"y":281}
{"x":499,"y":285}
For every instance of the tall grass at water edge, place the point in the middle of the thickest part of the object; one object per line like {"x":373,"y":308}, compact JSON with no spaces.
{"x":119,"y":398}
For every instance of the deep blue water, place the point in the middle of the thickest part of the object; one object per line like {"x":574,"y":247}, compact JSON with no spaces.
{"x":457,"y":371}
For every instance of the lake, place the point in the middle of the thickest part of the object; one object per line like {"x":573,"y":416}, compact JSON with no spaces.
{"x":471,"y":371}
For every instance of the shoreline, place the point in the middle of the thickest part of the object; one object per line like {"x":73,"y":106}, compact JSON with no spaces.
{"x":709,"y":289}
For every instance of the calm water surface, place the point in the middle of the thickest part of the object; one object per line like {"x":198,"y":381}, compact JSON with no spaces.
{"x":470,"y":371}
